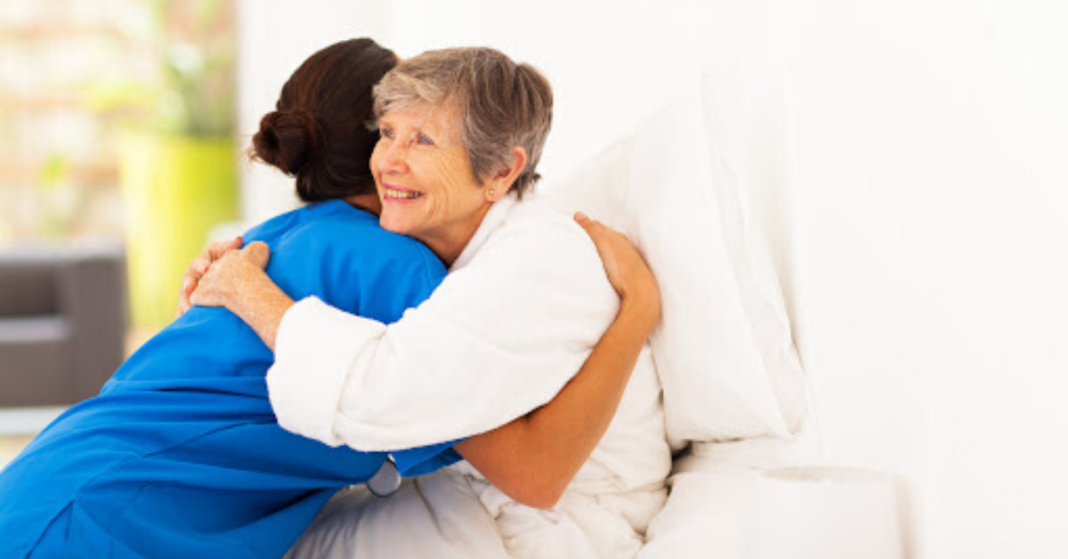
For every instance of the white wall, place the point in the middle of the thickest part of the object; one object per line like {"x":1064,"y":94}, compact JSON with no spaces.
{"x":611,"y":63}
{"x":907,"y":160}
{"x":604,"y":64}
{"x":930,"y":261}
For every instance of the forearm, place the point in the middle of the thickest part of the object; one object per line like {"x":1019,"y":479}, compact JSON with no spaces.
{"x":567,"y":429}
{"x":261,"y":304}
{"x":534,"y":458}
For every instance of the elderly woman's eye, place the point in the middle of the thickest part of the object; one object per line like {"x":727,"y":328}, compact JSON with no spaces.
{"x":424,"y":140}
{"x":385,"y":132}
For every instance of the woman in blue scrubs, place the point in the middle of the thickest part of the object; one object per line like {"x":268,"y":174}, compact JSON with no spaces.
{"x":180,"y":455}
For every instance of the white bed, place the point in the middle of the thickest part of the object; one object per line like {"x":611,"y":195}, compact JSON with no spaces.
{"x":439,"y":516}
{"x":709,"y":507}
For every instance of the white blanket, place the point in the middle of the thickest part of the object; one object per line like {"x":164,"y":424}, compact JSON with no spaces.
{"x":455,"y":513}
{"x":711,"y":493}
{"x":515,"y":319}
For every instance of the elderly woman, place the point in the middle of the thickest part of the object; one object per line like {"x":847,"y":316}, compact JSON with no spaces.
{"x":523,"y":305}
{"x":180,"y":455}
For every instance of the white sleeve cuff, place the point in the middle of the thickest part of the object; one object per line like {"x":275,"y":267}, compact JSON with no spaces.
{"x":314,"y":350}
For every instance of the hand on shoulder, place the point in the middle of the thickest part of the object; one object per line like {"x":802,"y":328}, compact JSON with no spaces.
{"x":626,"y":269}
{"x":200,"y":266}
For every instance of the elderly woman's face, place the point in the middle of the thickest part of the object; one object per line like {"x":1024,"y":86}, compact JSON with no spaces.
{"x":424,"y":179}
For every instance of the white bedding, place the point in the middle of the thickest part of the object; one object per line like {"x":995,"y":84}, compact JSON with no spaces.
{"x":450,"y":514}
{"x":707,"y":513}
{"x":455,"y":513}
{"x":724,"y":348}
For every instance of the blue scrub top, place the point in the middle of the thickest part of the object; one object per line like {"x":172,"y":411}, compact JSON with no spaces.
{"x":180,"y":455}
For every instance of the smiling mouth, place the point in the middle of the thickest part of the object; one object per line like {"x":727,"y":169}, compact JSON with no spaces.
{"x":395,"y":194}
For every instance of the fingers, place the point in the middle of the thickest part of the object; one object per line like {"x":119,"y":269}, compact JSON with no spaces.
{"x":217,"y":249}
{"x":200,"y":266}
{"x":202,"y":263}
{"x":183,"y":305}
{"x":623,"y":263}
{"x":592,"y":226}
{"x":190,"y":279}
{"x":601,"y":234}
{"x":608,"y":241}
{"x":258,"y":253}
{"x":214,"y":252}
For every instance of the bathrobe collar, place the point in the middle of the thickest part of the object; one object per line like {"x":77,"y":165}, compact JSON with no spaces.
{"x":494,"y":217}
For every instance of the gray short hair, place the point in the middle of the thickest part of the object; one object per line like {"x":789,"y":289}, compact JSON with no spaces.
{"x":502,"y":104}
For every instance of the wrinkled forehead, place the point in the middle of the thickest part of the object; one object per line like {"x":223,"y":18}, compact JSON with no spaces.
{"x":442,"y":120}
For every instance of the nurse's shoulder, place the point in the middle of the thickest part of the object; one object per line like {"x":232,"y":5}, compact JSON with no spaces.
{"x":337,"y":228}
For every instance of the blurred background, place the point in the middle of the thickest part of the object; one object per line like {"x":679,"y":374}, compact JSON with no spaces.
{"x":117,"y":157}
{"x":906,"y":159}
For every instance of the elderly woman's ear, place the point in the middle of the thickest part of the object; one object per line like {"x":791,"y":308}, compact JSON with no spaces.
{"x":498,"y":185}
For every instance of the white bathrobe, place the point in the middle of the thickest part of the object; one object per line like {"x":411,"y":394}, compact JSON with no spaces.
{"x":515,"y":319}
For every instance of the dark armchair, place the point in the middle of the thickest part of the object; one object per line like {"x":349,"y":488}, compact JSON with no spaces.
{"x":62,"y":323}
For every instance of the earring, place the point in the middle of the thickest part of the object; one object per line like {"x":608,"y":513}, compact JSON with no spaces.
{"x":491,"y":192}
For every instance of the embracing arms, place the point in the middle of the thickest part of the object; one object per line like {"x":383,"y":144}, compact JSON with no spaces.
{"x":225,"y":277}
{"x":533,"y":458}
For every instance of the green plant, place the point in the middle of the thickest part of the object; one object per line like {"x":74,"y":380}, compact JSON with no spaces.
{"x":58,"y":198}
{"x":197,"y":57}
{"x":192,"y":91}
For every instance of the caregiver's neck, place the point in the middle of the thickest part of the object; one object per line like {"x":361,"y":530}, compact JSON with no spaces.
{"x":366,"y":202}
{"x":447,"y":250}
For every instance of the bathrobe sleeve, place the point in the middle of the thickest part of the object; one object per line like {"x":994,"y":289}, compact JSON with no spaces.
{"x":497,"y":339}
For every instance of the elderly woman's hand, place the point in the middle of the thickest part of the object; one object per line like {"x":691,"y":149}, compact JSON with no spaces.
{"x":626,"y":269}
{"x":199,"y":267}
{"x":231,"y":275}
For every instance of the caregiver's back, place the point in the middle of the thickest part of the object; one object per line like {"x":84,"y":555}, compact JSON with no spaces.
{"x":331,"y":249}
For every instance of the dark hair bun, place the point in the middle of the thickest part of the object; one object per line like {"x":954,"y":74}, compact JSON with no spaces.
{"x":318,"y":131}
{"x":288,"y":140}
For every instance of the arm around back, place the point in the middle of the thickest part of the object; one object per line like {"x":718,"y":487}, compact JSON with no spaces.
{"x":534,"y":458}
{"x":500,"y":337}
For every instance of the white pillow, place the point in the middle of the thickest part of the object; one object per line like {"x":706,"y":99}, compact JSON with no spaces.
{"x":723,"y":349}
{"x":710,"y":506}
